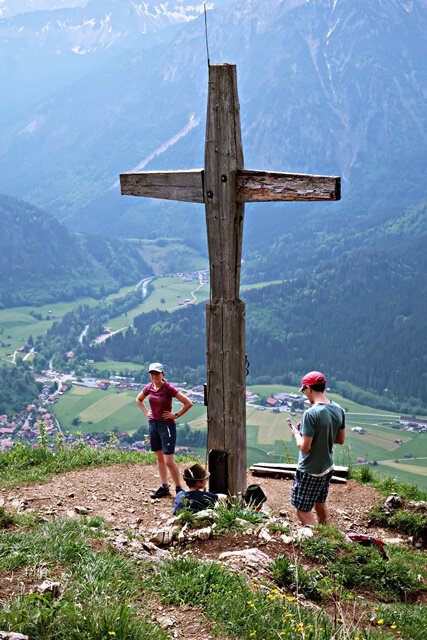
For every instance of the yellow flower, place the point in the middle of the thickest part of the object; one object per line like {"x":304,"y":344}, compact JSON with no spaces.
{"x":393,"y":626}
{"x":252,"y":634}
{"x":380,"y":621}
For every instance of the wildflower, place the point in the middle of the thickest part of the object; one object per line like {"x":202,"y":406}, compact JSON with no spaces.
{"x":250,"y":603}
{"x":252,"y":634}
{"x":393,"y":626}
{"x":380,"y":621}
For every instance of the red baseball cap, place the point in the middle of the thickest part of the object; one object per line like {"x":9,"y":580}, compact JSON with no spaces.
{"x":313,"y":377}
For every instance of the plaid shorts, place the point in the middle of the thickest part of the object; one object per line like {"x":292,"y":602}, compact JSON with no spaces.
{"x":307,"y":490}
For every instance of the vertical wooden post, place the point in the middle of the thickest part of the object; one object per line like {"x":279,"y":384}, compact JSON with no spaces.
{"x":225,"y":322}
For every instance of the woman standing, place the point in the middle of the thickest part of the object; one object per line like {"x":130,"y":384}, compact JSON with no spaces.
{"x":162,"y":426}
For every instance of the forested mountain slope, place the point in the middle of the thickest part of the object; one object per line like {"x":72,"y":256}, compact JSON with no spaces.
{"x":361,"y":317}
{"x":41,"y":261}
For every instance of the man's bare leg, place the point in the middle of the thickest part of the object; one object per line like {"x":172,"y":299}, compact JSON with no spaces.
{"x":306,"y":517}
{"x":321,"y":512}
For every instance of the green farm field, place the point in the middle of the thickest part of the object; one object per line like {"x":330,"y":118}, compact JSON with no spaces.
{"x":103,"y":411}
{"x":118,"y":367}
{"x":98,"y":411}
{"x":268,"y":435}
{"x":16,"y":323}
{"x":168,"y":292}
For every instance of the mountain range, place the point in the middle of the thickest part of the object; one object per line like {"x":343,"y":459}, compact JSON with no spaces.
{"x":325,"y":86}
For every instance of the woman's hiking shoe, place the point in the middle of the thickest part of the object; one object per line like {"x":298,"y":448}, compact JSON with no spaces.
{"x":161,"y":492}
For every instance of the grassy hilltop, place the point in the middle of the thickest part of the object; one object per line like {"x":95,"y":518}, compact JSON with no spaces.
{"x":106,"y":585}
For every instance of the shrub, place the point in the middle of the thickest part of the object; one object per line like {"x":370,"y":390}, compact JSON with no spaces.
{"x":409,"y":522}
{"x":282,"y":570}
{"x":6,"y":518}
{"x":365,"y":568}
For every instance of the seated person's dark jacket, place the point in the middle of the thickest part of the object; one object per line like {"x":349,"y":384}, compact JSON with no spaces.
{"x":194,"y":501}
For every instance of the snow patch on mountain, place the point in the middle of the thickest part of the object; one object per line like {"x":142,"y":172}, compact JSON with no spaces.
{"x":33,"y":126}
{"x":191,"y":124}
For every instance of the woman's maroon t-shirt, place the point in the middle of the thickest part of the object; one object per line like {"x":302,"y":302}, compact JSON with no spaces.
{"x":160,"y":400}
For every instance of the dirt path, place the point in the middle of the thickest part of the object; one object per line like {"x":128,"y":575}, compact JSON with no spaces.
{"x":121,"y":494}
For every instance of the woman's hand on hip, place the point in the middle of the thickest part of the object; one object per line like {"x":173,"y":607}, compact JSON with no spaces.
{"x":168,"y":415}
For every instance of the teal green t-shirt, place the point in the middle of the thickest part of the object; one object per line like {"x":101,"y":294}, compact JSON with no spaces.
{"x":322,"y":422}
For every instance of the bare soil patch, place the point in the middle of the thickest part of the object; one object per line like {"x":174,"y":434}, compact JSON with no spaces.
{"x":121,"y":495}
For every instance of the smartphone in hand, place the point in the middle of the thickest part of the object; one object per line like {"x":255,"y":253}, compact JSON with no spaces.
{"x":292,"y":425}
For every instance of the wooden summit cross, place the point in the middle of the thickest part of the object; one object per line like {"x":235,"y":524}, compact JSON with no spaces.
{"x":224,"y":186}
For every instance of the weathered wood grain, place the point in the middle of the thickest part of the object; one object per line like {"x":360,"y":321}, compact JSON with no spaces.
{"x":270,"y":186}
{"x":286,"y":473}
{"x":225,"y":315}
{"x":226,"y":384}
{"x":338,"y":470}
{"x":185,"y":186}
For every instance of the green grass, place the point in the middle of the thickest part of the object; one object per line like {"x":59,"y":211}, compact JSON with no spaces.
{"x":22,"y":465}
{"x":100,"y":591}
{"x":408,"y":521}
{"x":173,"y":290}
{"x":104,"y":593}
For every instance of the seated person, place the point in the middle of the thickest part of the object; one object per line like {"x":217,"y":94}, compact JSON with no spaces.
{"x":254,"y":497}
{"x":196,"y":498}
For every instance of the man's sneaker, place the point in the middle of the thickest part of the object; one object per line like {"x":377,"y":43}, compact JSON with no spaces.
{"x":161,"y":492}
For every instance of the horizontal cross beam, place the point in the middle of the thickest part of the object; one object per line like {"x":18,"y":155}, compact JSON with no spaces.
{"x":272,"y":186}
{"x":252,"y":186}
{"x":186,"y":186}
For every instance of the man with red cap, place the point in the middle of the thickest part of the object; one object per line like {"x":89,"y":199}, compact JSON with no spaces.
{"x":322,"y":426}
